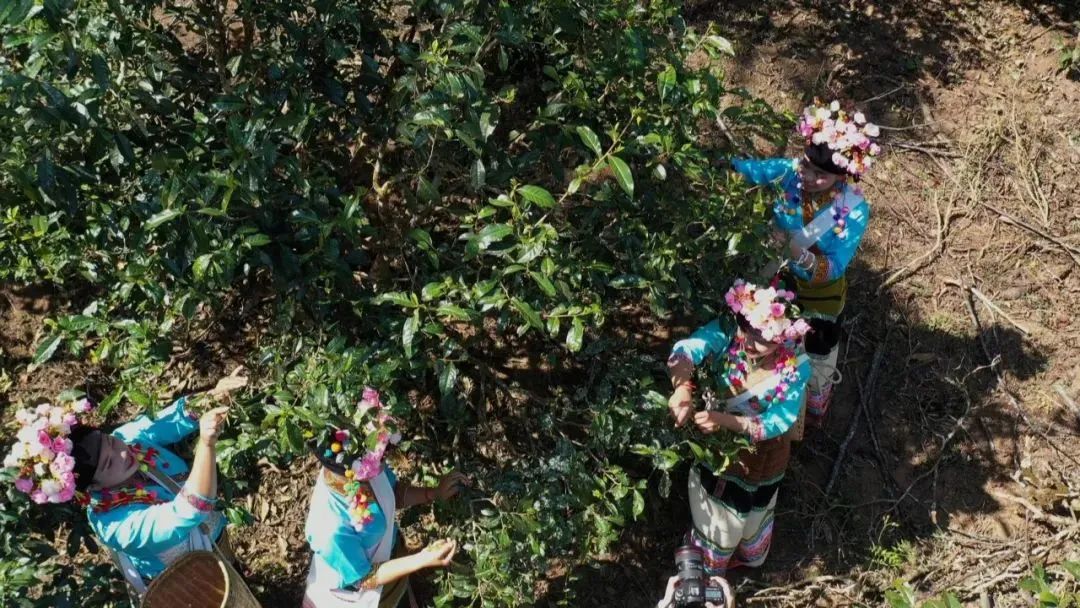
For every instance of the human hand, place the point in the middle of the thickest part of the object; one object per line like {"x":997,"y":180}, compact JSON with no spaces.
{"x":438,"y":554}
{"x":451,"y":485}
{"x":681,"y":405}
{"x":228,"y":384}
{"x":796,"y":250}
{"x":710,"y":422}
{"x":211,"y":423}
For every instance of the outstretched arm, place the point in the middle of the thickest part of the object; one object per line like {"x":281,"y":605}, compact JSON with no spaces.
{"x":764,"y":170}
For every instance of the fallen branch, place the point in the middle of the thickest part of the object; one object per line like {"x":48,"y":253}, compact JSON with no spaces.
{"x":927,"y":151}
{"x":994,"y":362}
{"x":989,"y":303}
{"x":1009,"y":219}
{"x":871,"y":383}
{"x":944,"y":222}
{"x":1060,"y":390}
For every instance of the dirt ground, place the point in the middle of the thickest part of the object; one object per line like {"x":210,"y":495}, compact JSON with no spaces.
{"x":950,"y":459}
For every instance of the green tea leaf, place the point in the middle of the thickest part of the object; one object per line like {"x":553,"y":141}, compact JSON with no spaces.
{"x":537,"y":195}
{"x":575,"y":335}
{"x":161,"y":217}
{"x":589,"y":138}
{"x":544,"y":283}
{"x":622,"y":174}
{"x":46,"y":350}
{"x":532,"y":318}
{"x":666,"y":81}
{"x":408,"y":333}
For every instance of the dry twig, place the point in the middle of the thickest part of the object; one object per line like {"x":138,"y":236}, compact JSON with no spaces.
{"x":1010,"y":219}
{"x":871,"y":383}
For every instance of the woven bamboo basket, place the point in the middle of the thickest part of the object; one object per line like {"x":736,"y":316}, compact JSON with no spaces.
{"x":200,"y":579}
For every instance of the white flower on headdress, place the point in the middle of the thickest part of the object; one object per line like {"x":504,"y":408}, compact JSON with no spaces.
{"x":860,"y":118}
{"x":872,"y":130}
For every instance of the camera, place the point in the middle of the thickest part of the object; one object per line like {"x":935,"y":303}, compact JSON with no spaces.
{"x":694,"y":588}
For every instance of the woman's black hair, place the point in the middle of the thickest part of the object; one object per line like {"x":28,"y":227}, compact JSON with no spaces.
{"x":85,"y":450}
{"x":820,"y":155}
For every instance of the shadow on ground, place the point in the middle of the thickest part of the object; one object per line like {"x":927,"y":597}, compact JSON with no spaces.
{"x":895,"y":481}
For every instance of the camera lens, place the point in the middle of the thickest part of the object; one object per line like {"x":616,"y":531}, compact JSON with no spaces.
{"x":690,"y":567}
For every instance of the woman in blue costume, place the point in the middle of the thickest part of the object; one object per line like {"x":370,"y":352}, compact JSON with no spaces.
{"x":358,"y":559}
{"x":820,"y":218}
{"x":143,"y":501}
{"x":754,"y":351}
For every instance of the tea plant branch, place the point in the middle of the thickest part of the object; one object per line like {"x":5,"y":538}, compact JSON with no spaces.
{"x":596,"y":164}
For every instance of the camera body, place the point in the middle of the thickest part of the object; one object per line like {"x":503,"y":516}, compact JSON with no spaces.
{"x":693,"y":589}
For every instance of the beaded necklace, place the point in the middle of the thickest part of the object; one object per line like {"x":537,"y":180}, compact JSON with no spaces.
{"x":736,"y":370}
{"x":136,"y":492}
{"x":810,"y":202}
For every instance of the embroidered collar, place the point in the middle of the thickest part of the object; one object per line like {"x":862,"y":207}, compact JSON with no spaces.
{"x":736,"y":370}
{"x":134,"y":494}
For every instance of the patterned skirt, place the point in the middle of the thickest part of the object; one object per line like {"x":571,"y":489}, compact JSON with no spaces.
{"x":733,"y":513}
{"x":822,"y":301}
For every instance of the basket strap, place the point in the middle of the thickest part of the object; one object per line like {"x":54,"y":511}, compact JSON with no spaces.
{"x":130,"y":572}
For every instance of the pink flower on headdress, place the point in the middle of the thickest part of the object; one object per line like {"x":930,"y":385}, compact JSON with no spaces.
{"x":24,"y":485}
{"x":778,"y":309}
{"x":61,"y":445}
{"x":82,"y":406}
{"x":341,"y":435}
{"x":62,"y":465}
{"x":367,"y":467}
{"x":39,"y":497}
{"x":371,"y":396}
{"x":733,"y":303}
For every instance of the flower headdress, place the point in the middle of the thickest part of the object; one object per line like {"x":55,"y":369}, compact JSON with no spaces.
{"x":360,"y":452}
{"x":849,"y":136}
{"x":768,"y":310}
{"x":41,"y":455}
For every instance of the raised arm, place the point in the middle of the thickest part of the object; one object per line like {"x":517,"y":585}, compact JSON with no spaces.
{"x":170,"y":425}
{"x":162,"y":526}
{"x":760,"y":171}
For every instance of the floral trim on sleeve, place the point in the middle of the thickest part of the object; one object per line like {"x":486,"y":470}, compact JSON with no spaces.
{"x":200,"y":503}
{"x":822,"y":270}
{"x":756,"y":430}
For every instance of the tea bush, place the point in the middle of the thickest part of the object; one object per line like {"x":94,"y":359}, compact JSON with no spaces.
{"x":475,"y":206}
